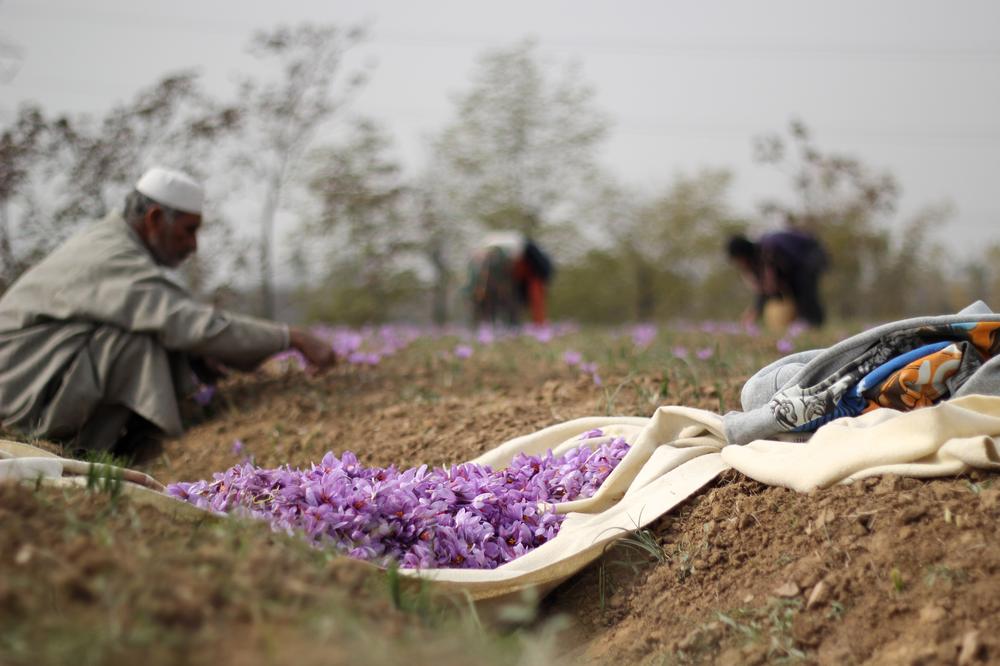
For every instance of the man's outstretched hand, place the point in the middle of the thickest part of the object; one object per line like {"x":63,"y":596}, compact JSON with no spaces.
{"x":318,"y":352}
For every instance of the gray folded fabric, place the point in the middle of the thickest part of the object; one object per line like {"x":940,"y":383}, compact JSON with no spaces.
{"x":803,"y":369}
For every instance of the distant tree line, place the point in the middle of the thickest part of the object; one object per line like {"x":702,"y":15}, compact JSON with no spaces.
{"x":301,"y":183}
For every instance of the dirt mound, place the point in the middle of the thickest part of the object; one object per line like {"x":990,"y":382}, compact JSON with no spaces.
{"x":83,"y":561}
{"x":888,"y":570}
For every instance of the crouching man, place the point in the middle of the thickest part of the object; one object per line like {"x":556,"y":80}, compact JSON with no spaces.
{"x":97,"y":341}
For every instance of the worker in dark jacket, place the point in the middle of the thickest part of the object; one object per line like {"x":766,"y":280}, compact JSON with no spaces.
{"x":782,"y":267}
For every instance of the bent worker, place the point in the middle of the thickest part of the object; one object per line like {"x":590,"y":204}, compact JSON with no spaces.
{"x":782,"y":267}
{"x":508,"y":271}
{"x":97,"y":341}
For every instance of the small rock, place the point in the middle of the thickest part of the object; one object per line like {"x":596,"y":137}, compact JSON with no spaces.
{"x":941,"y":491}
{"x":754,"y":654}
{"x":788,"y":590}
{"x":747,"y":599}
{"x":990,"y":498}
{"x":689,"y":641}
{"x":824,"y":518}
{"x":970,"y":648}
{"x":731,"y":657}
{"x":971,"y":538}
{"x":888,"y":484}
{"x":616,"y":600}
{"x":912,"y":514}
{"x":931,"y":614}
{"x":24,"y":554}
{"x":807,"y":578}
{"x":820,"y":593}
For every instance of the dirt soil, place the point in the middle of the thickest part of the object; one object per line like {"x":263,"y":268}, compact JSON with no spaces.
{"x":889,"y":570}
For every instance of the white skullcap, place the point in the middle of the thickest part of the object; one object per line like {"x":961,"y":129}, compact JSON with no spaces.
{"x":511,"y":242}
{"x":172,"y":188}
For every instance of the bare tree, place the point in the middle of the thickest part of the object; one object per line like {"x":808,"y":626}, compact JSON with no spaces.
{"x":673,"y":243}
{"x":844,"y":203}
{"x":172,"y":122}
{"x":21,"y":148}
{"x":523,"y":144}
{"x":520,"y":154}
{"x":56,"y":174}
{"x":11,"y":57}
{"x":435,"y":248}
{"x":284,"y":113}
{"x":363,"y":226}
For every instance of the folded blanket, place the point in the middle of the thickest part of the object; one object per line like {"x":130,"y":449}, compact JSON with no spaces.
{"x":805,"y":390}
{"x":949,"y":438}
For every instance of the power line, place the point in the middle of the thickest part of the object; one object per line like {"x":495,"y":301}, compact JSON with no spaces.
{"x":905,"y":135}
{"x":590,"y":45}
{"x":983,"y":138}
{"x":718,"y":50}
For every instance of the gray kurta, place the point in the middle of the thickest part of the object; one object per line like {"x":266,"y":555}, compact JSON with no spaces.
{"x":98,"y":322}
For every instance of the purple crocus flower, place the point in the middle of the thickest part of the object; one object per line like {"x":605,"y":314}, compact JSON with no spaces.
{"x":572,"y":357}
{"x":363,"y":358}
{"x":704,"y":353}
{"x":541,"y":332}
{"x":785,"y":345}
{"x":468,"y":516}
{"x":679,"y":351}
{"x":591,"y":369}
{"x":203,"y":396}
{"x":643,"y":335}
{"x":292,"y":356}
{"x":796,"y":328}
{"x":730,"y":328}
{"x":463,"y":351}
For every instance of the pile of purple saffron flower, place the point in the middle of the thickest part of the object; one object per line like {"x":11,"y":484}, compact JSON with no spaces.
{"x":469,"y":516}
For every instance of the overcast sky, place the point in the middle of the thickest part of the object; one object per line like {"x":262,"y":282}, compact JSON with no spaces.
{"x":911,"y":87}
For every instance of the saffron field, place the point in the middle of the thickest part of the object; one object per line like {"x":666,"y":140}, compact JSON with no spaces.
{"x":888,"y":570}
